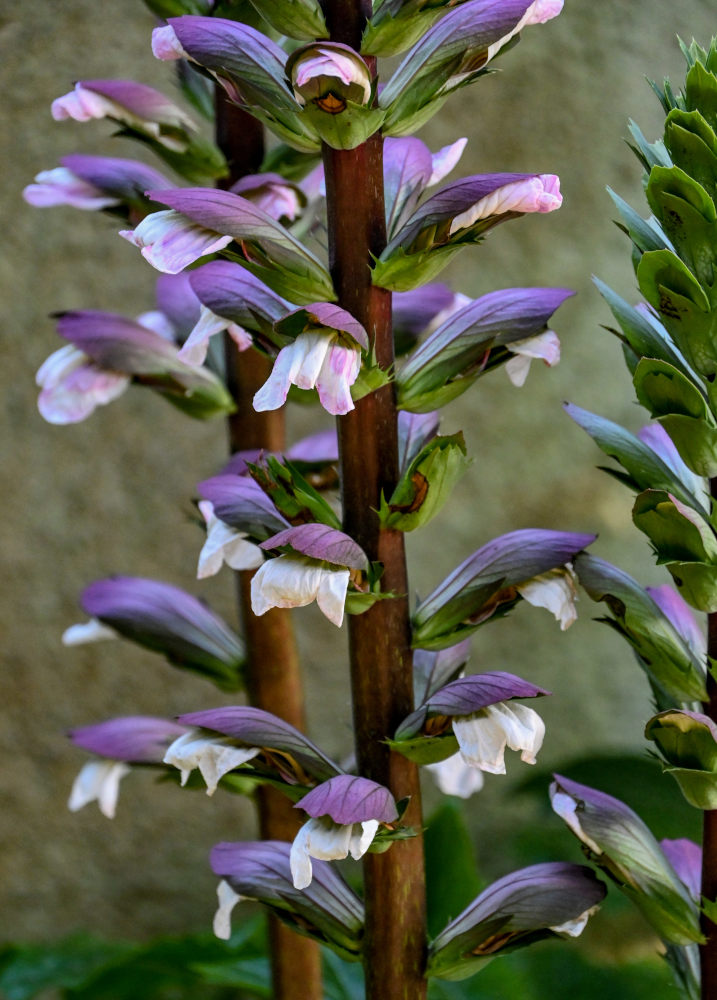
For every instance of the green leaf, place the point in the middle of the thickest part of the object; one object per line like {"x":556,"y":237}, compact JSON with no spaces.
{"x":693,"y":147}
{"x":648,"y":153}
{"x":199,"y":161}
{"x":388,"y":35}
{"x":701,"y":93}
{"x":642,"y":336}
{"x":645,"y":468}
{"x":426,"y":484}
{"x":347,"y":129}
{"x":402,"y":271}
{"x":301,"y":19}
{"x":687,"y":214}
{"x":671,"y":288}
{"x":68,"y":964}
{"x":697,"y":582}
{"x":426,"y":749}
{"x":292,"y":494}
{"x":643,"y":233}
{"x":662,"y":652}
{"x":677,"y":533}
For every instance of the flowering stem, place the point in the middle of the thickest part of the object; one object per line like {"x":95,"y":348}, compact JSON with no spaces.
{"x":379,"y":639}
{"x":273,"y":678}
{"x":708,"y":951}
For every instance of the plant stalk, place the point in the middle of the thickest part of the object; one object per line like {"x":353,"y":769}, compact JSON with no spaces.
{"x":273,"y":677}
{"x":380,"y":639}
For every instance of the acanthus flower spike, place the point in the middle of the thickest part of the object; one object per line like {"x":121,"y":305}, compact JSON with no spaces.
{"x":345,"y":814}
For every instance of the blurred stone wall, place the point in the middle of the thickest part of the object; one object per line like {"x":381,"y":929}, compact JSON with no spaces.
{"x":112,"y":494}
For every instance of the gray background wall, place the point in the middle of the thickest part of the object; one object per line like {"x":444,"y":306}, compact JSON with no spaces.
{"x":111,"y":494}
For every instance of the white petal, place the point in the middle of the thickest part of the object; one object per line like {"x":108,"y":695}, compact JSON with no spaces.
{"x":286,"y":582}
{"x":555,"y":591}
{"x":545,"y":346}
{"x":225,"y":544}
{"x":566,"y":807}
{"x":484,"y":735}
{"x":339,"y":371}
{"x":159,"y":323}
{"x":481,"y":740}
{"x":194,"y":348}
{"x":524,"y":729}
{"x":445,"y":160}
{"x":331,"y":596}
{"x":170,"y":241}
{"x":454,"y":777}
{"x":91,"y":631}
{"x":318,"y":838}
{"x":228,"y":899}
{"x":98,"y":779}
{"x":574,"y":928}
{"x":214,"y":756}
{"x":362,"y":835}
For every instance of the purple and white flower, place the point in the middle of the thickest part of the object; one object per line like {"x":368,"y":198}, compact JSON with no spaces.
{"x":329,"y":74}
{"x":214,"y":756}
{"x":72,"y":386}
{"x":317,"y":569}
{"x":170,"y":241}
{"x":224,"y":544}
{"x":346,"y":812}
{"x":93,"y":182}
{"x":326,"y":356}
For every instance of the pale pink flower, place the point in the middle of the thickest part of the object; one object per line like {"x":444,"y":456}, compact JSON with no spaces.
{"x":72,"y":386}
{"x":540,"y":193}
{"x":545,"y":346}
{"x":316,"y":359}
{"x":293,"y":581}
{"x":170,"y":241}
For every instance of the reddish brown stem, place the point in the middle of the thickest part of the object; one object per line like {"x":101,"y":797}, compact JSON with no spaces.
{"x":708,"y":951}
{"x":379,"y":639}
{"x":273,"y":676}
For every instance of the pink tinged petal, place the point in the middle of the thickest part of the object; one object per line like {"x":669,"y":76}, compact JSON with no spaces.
{"x":445,"y":160}
{"x":159,"y":323}
{"x":532,"y":194}
{"x":72,"y":386}
{"x":303,"y":363}
{"x":348,"y":68}
{"x":295,"y":581}
{"x":556,"y":591}
{"x":215,"y":756}
{"x":98,"y":780}
{"x":61,"y":187}
{"x":484,"y":735}
{"x":82,"y":105}
{"x":454,"y":777}
{"x":194,"y":349}
{"x":545,"y":346}
{"x":91,"y":631}
{"x":339,"y":371}
{"x":566,"y":807}
{"x":228,"y":899}
{"x":166,"y":45}
{"x":171,"y":242}
{"x":539,"y":12}
{"x":224,"y":544}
